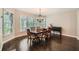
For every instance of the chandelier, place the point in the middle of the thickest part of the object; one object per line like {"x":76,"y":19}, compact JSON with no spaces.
{"x":40,"y":17}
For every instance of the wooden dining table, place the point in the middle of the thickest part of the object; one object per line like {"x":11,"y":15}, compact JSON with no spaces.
{"x":35,"y":35}
{"x":44,"y":33}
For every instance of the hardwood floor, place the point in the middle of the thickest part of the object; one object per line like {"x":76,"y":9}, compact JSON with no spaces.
{"x":54,"y":44}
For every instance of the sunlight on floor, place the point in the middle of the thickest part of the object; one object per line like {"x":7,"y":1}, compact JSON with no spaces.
{"x":24,"y":45}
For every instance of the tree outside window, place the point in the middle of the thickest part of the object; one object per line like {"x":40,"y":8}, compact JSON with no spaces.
{"x":7,"y":23}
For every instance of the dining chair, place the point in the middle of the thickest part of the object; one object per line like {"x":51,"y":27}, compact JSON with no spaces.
{"x":44,"y":34}
{"x":29,"y":36}
{"x":49,"y":33}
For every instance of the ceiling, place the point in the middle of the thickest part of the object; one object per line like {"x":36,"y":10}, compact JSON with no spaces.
{"x":46,"y":11}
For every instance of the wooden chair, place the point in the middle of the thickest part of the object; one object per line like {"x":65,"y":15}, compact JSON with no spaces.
{"x":29,"y":36}
{"x":44,"y":34}
{"x":49,"y":33}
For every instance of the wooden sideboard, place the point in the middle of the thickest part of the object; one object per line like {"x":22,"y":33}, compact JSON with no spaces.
{"x":58,"y":29}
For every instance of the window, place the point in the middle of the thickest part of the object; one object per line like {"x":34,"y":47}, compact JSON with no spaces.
{"x":23,"y":23}
{"x":30,"y":23}
{"x":26,"y":22}
{"x":7,"y":23}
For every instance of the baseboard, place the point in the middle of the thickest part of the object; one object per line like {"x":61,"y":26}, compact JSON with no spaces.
{"x":69,"y":35}
{"x":77,"y":38}
{"x":11,"y":38}
{"x":1,"y":48}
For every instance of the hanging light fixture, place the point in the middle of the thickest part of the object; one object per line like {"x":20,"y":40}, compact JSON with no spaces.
{"x":40,"y":16}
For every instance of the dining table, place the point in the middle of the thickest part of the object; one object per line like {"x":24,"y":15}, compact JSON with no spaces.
{"x":39,"y":35}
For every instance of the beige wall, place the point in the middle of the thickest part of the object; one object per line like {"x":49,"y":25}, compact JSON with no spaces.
{"x":78,"y":24}
{"x":67,"y":20}
{"x":17,"y":22}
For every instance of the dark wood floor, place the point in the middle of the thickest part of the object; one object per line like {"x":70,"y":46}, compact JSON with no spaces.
{"x":53,"y":44}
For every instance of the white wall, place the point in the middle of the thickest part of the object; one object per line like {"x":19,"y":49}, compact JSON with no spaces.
{"x":78,"y":24}
{"x":67,"y":20}
{"x":0,"y":29}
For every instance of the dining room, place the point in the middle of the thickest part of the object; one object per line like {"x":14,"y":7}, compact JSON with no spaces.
{"x":40,"y":29}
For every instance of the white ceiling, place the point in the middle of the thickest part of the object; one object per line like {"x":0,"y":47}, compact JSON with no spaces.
{"x":46,"y":11}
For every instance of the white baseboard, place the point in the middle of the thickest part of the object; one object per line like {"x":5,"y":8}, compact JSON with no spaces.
{"x":1,"y":48}
{"x":70,"y":35}
{"x":77,"y":38}
{"x":12,"y":38}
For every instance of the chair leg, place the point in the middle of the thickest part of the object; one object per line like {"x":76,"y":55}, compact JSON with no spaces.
{"x":60,"y":35}
{"x":30,"y":43}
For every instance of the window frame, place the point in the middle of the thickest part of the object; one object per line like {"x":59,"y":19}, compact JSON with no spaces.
{"x":5,"y":35}
{"x":22,"y":19}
